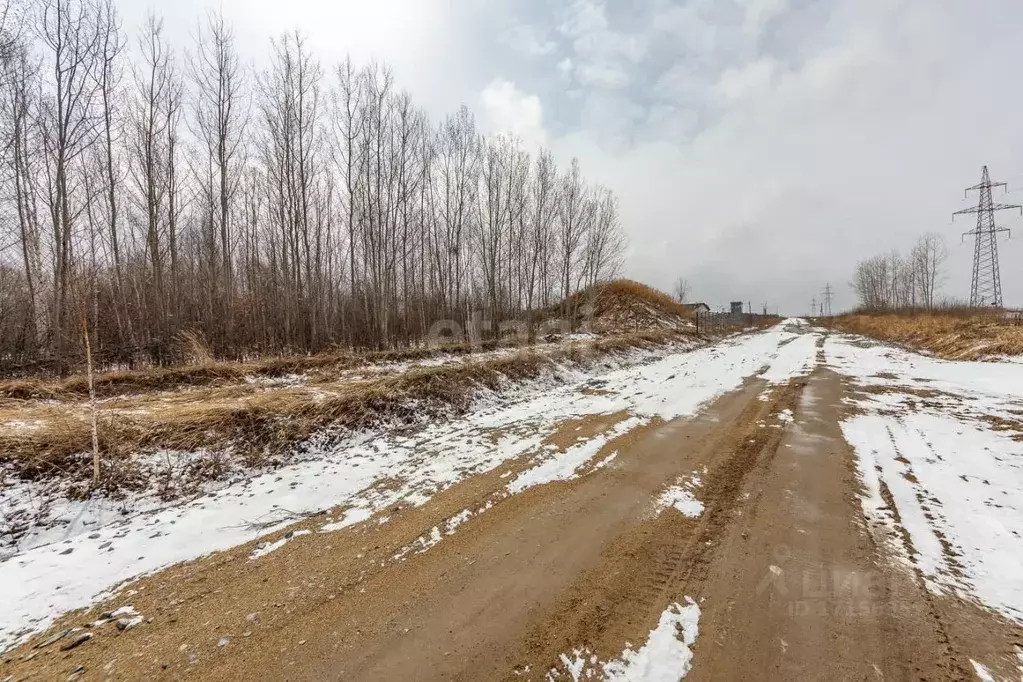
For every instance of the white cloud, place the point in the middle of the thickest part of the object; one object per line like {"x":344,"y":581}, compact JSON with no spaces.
{"x":760,"y":12}
{"x":748,"y":79}
{"x":565,"y":67}
{"x":508,"y":110}
{"x":529,"y":40}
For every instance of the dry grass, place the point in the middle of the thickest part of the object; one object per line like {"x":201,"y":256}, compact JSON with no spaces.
{"x":625,"y":305}
{"x":212,"y":373}
{"x":955,"y":335}
{"x":261,"y":427}
{"x":195,"y":347}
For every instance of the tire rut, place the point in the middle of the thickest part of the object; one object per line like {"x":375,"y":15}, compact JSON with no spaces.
{"x":664,"y":558}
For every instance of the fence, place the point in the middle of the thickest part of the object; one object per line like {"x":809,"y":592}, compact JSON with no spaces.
{"x":712,"y":323}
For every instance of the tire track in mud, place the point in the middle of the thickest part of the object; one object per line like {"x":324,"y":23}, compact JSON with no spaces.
{"x":662,"y":559}
{"x":955,"y":628}
{"x":954,"y":621}
{"x":950,"y":658}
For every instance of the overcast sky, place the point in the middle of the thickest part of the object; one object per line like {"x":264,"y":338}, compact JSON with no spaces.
{"x":758,"y":147}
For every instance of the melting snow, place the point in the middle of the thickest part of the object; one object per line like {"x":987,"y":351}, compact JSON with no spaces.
{"x":983,"y":673}
{"x":957,"y":483}
{"x":563,"y":465}
{"x":425,"y":542}
{"x":681,"y":498}
{"x":104,"y":543}
{"x":264,"y":548}
{"x":665,"y":657}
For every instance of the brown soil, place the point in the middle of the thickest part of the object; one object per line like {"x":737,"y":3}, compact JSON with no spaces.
{"x":792,"y":582}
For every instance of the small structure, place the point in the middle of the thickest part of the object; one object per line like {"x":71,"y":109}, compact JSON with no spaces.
{"x":736,"y":307}
{"x":696,"y":307}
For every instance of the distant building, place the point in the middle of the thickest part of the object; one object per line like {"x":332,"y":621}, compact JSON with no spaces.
{"x":696,"y":307}
{"x":737,"y":307}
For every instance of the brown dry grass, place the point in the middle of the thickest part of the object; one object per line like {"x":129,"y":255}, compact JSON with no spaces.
{"x":625,"y":305}
{"x":262,"y":426}
{"x":630,"y":289}
{"x":212,"y":373}
{"x":954,"y":335}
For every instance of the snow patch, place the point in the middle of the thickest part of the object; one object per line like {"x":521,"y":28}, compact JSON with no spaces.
{"x":680,"y":496}
{"x":425,"y":542}
{"x":563,"y":466}
{"x":982,"y":673}
{"x":666,"y":656}
{"x":956,"y":482}
{"x":264,"y":548}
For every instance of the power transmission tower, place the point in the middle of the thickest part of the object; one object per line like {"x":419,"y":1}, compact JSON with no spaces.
{"x":987,"y":278}
{"x":827,"y":299}
{"x":813,"y":307}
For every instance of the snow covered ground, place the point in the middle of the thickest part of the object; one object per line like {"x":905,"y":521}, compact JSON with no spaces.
{"x":945,"y":440}
{"x":101,"y":545}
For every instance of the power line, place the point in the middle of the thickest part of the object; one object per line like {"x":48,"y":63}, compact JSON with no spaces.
{"x":827,"y":299}
{"x":986,"y":289}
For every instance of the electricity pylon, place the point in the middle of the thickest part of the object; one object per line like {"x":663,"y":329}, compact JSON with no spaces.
{"x":987,"y":277}
{"x":827,"y":299}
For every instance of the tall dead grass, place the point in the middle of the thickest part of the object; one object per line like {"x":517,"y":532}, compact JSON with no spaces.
{"x":957,"y":335}
{"x":264,"y":427}
{"x":206,"y":372}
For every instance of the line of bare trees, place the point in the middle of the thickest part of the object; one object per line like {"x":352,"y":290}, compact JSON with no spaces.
{"x":891,"y":280}
{"x":148,"y":191}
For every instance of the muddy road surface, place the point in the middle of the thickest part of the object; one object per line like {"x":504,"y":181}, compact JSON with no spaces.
{"x":682,"y":525}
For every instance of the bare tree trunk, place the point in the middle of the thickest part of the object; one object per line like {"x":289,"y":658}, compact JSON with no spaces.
{"x":92,"y":402}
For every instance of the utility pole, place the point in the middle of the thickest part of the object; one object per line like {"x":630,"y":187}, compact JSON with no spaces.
{"x":986,"y":289}
{"x":827,"y":299}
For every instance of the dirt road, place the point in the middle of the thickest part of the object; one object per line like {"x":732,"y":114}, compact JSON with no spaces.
{"x":727,"y":545}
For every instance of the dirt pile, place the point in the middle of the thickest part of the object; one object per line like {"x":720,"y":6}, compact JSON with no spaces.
{"x":956,"y":335}
{"x":624,"y":306}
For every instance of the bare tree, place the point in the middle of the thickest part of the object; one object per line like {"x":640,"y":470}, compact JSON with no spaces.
{"x":928,"y":259}
{"x":219,"y":111}
{"x":149,"y":140}
{"x":70,"y":117}
{"x":604,"y":246}
{"x":680,"y":290}
{"x":356,"y":224}
{"x":571,"y":225}
{"x":871,"y":283}
{"x":545,"y":201}
{"x":21,"y":136}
